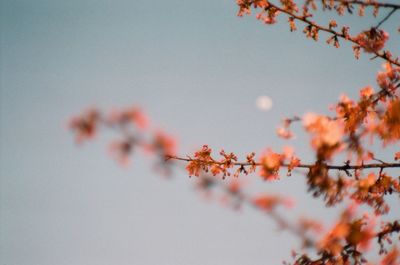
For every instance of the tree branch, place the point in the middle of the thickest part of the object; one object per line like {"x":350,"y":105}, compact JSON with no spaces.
{"x":383,"y":55}
{"x":368,"y":3}
{"x":308,"y":166}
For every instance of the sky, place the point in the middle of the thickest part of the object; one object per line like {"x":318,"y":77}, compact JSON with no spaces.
{"x":196,"y":69}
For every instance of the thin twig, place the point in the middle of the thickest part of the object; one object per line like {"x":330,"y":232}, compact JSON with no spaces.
{"x":386,"y":17}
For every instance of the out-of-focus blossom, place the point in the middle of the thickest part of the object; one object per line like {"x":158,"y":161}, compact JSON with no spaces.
{"x":391,"y":258}
{"x":132,"y":115}
{"x":85,"y":125}
{"x":164,"y":143}
{"x":288,"y":152}
{"x":120,"y":150}
{"x":311,"y":225}
{"x":326,"y":134}
{"x":284,"y":133}
{"x":389,"y":128}
{"x":270,"y":202}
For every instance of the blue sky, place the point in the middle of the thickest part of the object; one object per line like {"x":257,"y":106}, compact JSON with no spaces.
{"x":196,"y":69}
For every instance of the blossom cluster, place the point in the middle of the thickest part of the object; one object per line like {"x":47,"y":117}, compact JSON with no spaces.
{"x":134,"y":127}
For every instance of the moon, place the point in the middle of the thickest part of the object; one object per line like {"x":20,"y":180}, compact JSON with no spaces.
{"x":264,"y":103}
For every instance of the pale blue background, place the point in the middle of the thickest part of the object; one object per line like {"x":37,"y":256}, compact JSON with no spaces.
{"x":196,"y":69}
